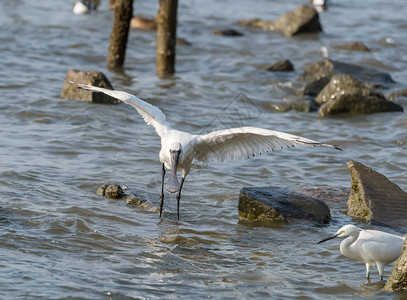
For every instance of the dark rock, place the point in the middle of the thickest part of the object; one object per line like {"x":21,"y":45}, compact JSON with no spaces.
{"x":115,"y":191}
{"x":304,"y":19}
{"x":397,"y":94}
{"x":355,"y":46}
{"x":183,"y":42}
{"x":374,"y":198}
{"x":281,"y":66}
{"x":398,"y":277}
{"x":344,"y":94}
{"x":329,"y":67}
{"x":279,"y":204}
{"x":70,"y":91}
{"x":228,"y":32}
{"x":315,"y":87}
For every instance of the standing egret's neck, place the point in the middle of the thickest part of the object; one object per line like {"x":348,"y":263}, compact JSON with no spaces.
{"x":346,"y":243}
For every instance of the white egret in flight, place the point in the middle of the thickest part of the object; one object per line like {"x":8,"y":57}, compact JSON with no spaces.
{"x":373,"y":247}
{"x":179,"y":149}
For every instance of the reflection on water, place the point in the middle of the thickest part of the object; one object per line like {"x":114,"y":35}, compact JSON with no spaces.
{"x":59,"y":239}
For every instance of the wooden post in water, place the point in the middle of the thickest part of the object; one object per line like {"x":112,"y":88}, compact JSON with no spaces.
{"x":166,"y":37}
{"x":123,"y":13}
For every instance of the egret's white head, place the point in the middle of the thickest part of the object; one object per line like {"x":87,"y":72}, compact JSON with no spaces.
{"x":344,"y":231}
{"x":347,"y":230}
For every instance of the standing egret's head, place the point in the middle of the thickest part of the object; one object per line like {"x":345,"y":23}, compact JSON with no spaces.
{"x":347,"y":230}
{"x":173,"y":184}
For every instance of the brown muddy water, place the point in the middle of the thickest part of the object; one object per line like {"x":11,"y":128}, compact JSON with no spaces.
{"x":60,"y":240}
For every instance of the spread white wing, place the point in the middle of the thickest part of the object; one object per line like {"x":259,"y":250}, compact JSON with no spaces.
{"x":245,"y":142}
{"x":152,"y":115}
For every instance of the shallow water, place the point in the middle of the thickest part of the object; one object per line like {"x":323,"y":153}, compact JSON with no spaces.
{"x":60,"y":240}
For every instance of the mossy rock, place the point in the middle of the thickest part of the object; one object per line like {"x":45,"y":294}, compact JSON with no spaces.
{"x":344,"y":94}
{"x":304,"y":19}
{"x":398,"y":277}
{"x":374,"y":198}
{"x":277,"y":204}
{"x":95,"y":78}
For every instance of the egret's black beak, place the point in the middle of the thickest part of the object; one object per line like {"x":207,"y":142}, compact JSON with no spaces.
{"x":173,"y":185}
{"x":329,"y":238}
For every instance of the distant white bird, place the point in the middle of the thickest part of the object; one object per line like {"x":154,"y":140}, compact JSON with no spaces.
{"x":178,"y":148}
{"x":372,"y":247}
{"x":83,"y":7}
{"x":319,"y":2}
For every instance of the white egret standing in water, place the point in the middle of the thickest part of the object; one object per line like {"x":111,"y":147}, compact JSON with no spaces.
{"x":178,"y":148}
{"x":373,"y":247}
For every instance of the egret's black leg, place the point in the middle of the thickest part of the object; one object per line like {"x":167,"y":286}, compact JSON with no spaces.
{"x":162,"y":190}
{"x":179,"y":196}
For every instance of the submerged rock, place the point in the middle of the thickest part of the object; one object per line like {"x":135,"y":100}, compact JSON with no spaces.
{"x":375,"y":198}
{"x":96,"y":78}
{"x":182,"y":42}
{"x":304,"y":19}
{"x":344,"y":94}
{"x":228,"y":32}
{"x":398,"y":277}
{"x":141,"y":22}
{"x":355,"y":46}
{"x":281,"y":66}
{"x":280,"y":204}
{"x":115,"y":191}
{"x":329,"y":68}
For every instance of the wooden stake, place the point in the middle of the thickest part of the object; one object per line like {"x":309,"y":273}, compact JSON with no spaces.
{"x":166,"y":37}
{"x":118,"y":38}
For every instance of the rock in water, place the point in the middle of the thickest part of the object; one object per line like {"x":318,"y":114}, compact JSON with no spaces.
{"x":281,"y":66}
{"x":355,"y":46}
{"x":304,"y":19}
{"x":398,"y":277}
{"x":112,"y":191}
{"x":143,"y":23}
{"x":330,"y":67}
{"x":228,"y":32}
{"x":374,"y":198}
{"x":95,"y":78}
{"x":344,"y":94}
{"x":315,"y":87}
{"x":279,"y":204}
{"x":115,"y":191}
